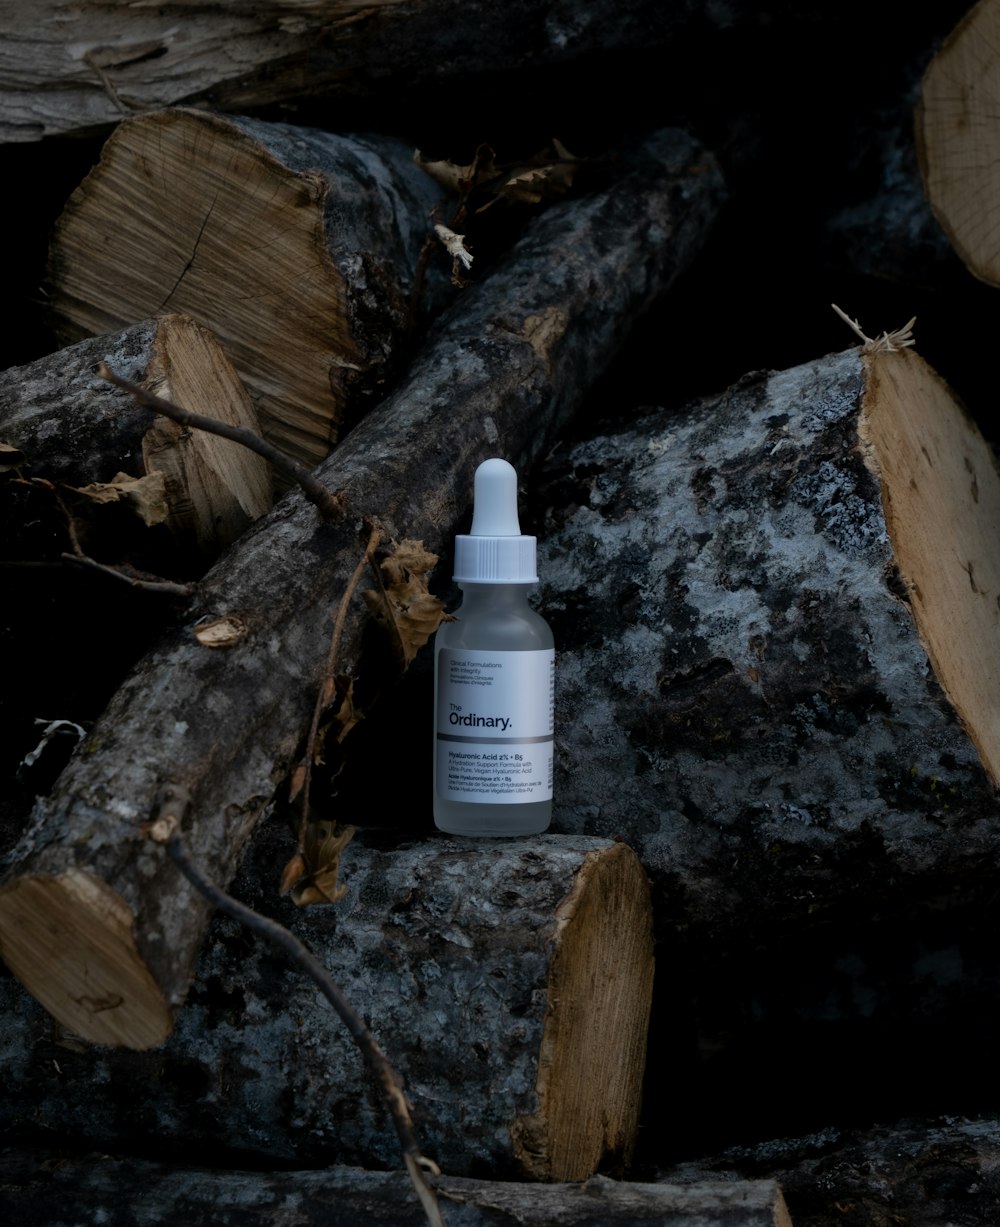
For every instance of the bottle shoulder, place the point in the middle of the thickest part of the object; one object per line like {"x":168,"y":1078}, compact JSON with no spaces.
{"x":501,"y":626}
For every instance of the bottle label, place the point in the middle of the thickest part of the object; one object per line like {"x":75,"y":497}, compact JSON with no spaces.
{"x":494,"y":725}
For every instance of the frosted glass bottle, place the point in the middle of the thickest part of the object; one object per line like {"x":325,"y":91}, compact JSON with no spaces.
{"x":494,"y":679}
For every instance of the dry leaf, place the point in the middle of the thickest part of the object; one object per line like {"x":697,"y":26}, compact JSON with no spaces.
{"x":297,"y":781}
{"x":292,"y":872}
{"x":146,"y":495}
{"x":221,"y":632}
{"x":407,"y":607}
{"x":346,"y":715}
{"x":539,"y":178}
{"x":10,"y":458}
{"x":324,"y":844}
{"x":460,"y":179}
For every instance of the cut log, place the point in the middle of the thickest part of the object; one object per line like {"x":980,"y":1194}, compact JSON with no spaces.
{"x":511,"y":363}
{"x":79,"y":68}
{"x":958,"y":139}
{"x":73,"y":428}
{"x":37,"y":1188}
{"x":296,"y":247}
{"x":779,"y":622}
{"x":509,"y":984}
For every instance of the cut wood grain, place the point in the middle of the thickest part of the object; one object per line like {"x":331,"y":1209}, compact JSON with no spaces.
{"x":958,"y":139}
{"x":508,"y":982}
{"x":298,"y":248}
{"x":72,"y":428}
{"x":504,"y":371}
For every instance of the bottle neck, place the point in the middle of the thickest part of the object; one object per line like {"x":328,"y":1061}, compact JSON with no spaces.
{"x":494,"y":596}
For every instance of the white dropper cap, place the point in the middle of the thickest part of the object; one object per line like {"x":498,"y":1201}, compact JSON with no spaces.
{"x":495,"y":551}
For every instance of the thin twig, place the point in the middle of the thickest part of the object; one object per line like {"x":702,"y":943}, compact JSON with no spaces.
{"x":330,"y":506}
{"x":323,"y":695}
{"x":888,"y":342}
{"x":165,"y":830}
{"x":83,"y":559}
{"x":146,"y":585}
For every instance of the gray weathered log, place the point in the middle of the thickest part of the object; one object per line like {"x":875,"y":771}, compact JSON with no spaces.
{"x":74,"y":68}
{"x":945,"y":1170}
{"x":75,"y":429}
{"x":508,"y":366}
{"x":39,"y":1188}
{"x":508,"y":982}
{"x":298,"y":248}
{"x":779,"y":640}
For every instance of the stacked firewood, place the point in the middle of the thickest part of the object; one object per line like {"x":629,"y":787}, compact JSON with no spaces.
{"x":777,"y":613}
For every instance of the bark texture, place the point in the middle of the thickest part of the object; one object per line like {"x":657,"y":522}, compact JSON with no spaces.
{"x":778,"y":626}
{"x":298,"y":248}
{"x":74,"y":428}
{"x":77,"y":69}
{"x":38,"y":1189}
{"x":913,"y":1171}
{"x":502,"y":373}
{"x":509,"y":982}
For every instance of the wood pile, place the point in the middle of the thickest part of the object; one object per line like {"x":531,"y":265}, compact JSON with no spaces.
{"x":768,"y":549}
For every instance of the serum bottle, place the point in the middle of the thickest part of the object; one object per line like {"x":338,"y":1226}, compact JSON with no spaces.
{"x":494,"y":673}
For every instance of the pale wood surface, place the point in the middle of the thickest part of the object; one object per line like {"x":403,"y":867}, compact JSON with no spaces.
{"x":958,"y":139}
{"x":74,"y":428}
{"x":298,"y":248}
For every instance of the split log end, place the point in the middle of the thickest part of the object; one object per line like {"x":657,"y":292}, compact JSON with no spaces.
{"x":592,"y":1055}
{"x":941,"y":498}
{"x":68,"y":938}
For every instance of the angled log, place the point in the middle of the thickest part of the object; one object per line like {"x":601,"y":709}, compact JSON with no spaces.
{"x":71,"y":427}
{"x":508,"y":366}
{"x":298,"y":248}
{"x":73,"y":68}
{"x":509,"y":982}
{"x":37,"y":1188}
{"x":779,"y":617}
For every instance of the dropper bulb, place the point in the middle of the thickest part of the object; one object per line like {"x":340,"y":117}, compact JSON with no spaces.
{"x":495,"y":508}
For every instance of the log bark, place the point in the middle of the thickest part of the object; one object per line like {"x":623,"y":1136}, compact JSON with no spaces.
{"x":37,"y":1188}
{"x":779,"y":622}
{"x":508,"y":982}
{"x":298,"y":248}
{"x":944,"y":1170}
{"x":72,"y":427}
{"x":78,"y":70}
{"x":958,"y":139}
{"x":501,"y":375}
